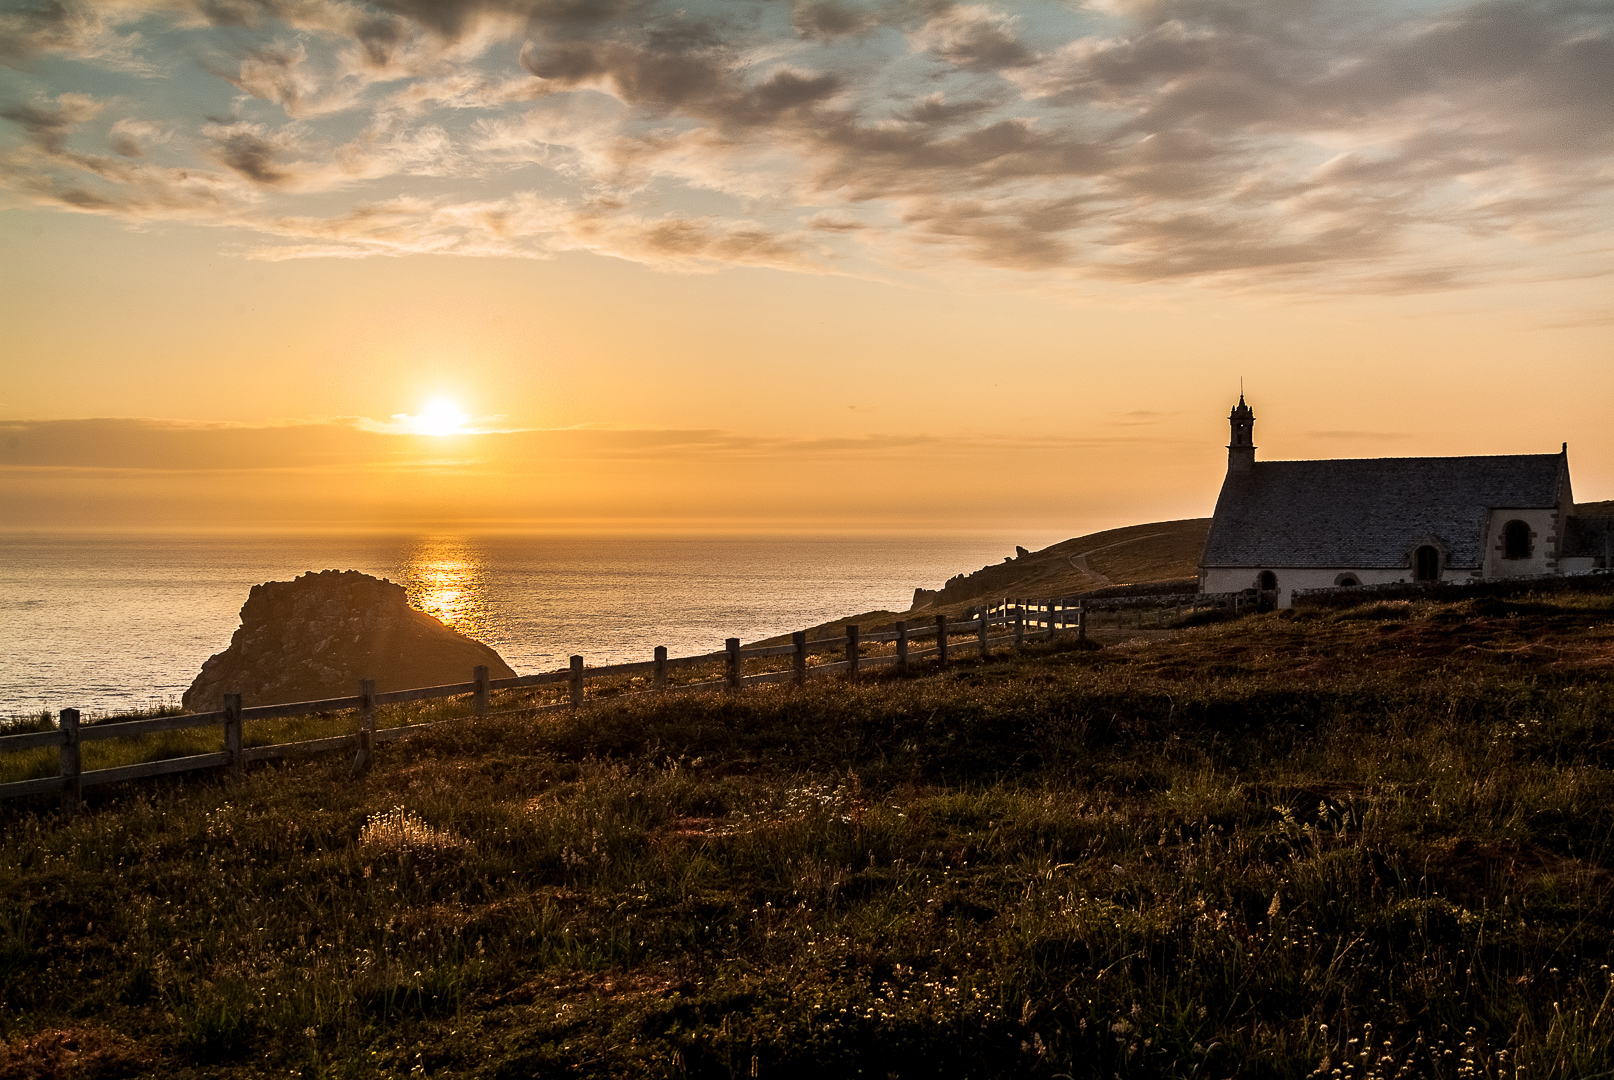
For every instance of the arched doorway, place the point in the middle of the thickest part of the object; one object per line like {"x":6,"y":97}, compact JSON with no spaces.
{"x":1516,"y":541}
{"x":1267,"y":581}
{"x":1347,"y":581}
{"x":1426,"y":563}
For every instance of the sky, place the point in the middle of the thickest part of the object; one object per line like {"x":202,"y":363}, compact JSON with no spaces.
{"x":753,"y":265}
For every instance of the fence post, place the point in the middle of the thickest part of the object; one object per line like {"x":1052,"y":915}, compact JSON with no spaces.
{"x":902,"y":647}
{"x":658,"y":681}
{"x":798,"y":662}
{"x":232,"y":734}
{"x":1019,"y":624}
{"x":366,"y":755}
{"x":731,"y":669}
{"x":941,"y":640}
{"x":574,"y":680}
{"x":986,"y":629}
{"x":1081,"y":621}
{"x":479,"y":675}
{"x":1053,"y":618}
{"x":69,"y":761}
{"x":852,"y":650}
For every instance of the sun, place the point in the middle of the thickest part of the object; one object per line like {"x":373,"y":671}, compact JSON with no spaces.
{"x":440,"y":416}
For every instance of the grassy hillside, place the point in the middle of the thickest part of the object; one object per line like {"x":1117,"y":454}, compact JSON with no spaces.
{"x":1375,"y":841}
{"x":1138,"y":554}
{"x":1158,"y":551}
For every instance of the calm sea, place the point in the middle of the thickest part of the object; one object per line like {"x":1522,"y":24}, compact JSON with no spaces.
{"x":105,"y":623}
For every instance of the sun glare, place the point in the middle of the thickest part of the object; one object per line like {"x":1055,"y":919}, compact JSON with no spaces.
{"x":440,"y":416}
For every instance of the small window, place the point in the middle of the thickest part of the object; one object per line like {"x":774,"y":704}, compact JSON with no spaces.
{"x":1427,"y":559}
{"x":1267,"y":581}
{"x":1347,"y":581}
{"x":1516,"y":540}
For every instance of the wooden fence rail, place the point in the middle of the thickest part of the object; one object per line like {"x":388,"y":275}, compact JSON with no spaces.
{"x":1046,"y":618}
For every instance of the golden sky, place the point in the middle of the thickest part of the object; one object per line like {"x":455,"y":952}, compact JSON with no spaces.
{"x":760,"y":264}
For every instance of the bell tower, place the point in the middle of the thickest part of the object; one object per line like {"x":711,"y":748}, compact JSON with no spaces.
{"x":1241,"y":450}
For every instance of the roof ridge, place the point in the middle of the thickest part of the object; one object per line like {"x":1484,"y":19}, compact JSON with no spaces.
{"x":1433,"y":457}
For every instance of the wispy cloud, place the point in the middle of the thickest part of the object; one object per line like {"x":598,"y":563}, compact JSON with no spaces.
{"x":1359,"y":147}
{"x":404,"y":440}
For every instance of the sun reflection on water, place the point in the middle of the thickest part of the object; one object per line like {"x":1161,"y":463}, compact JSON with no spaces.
{"x":445,"y":578}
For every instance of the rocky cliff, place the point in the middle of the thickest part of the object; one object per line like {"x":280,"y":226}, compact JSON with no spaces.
{"x":317,"y":636}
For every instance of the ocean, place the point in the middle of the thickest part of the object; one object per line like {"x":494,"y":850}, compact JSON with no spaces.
{"x":106,"y":623}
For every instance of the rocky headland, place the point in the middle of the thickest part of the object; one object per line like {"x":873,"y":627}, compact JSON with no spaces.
{"x":317,"y":636}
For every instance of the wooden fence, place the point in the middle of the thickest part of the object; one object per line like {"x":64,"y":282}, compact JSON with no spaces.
{"x":1119,"y":613}
{"x":1037,"y":620}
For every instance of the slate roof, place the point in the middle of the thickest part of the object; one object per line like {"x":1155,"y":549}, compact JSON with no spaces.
{"x":1585,"y":536}
{"x":1370,"y":512}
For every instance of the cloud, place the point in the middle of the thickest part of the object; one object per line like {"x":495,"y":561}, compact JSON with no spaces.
{"x":359,"y":442}
{"x":129,"y":473}
{"x":280,"y":73}
{"x":935,"y":109}
{"x":245,"y":149}
{"x":49,"y":122}
{"x":529,"y":226}
{"x":826,"y":20}
{"x":76,"y":27}
{"x":49,"y":172}
{"x":129,"y":137}
{"x":1364,"y":147}
{"x":973,"y":37}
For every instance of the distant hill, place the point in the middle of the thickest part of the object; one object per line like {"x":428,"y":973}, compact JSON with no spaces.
{"x":1134,"y":555}
{"x":1161,"y":551}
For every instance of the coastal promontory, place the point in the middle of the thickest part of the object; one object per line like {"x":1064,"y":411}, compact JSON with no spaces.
{"x":318,"y":635}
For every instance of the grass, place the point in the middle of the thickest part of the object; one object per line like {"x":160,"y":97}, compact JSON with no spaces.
{"x":113,"y":753}
{"x":1373,"y":842}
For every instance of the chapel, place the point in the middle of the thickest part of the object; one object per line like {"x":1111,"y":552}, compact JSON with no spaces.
{"x":1282,"y":526}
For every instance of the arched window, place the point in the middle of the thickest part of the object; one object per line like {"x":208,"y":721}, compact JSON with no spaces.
{"x":1516,"y":540}
{"x":1347,"y":581}
{"x":1427,"y":559}
{"x":1267,"y":581}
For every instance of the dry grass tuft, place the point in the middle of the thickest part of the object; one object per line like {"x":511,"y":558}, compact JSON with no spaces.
{"x":399,"y":832}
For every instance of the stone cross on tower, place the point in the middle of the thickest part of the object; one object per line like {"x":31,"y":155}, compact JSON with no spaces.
{"x":1241,"y":450}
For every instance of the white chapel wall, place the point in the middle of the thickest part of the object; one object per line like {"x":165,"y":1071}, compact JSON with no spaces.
{"x":1237,"y":579}
{"x":1545,"y":535}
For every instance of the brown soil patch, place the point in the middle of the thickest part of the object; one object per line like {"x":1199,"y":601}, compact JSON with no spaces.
{"x":1477,"y":867}
{"x":73,"y":1054}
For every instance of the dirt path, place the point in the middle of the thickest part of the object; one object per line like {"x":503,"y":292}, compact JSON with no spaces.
{"x":1080,"y":561}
